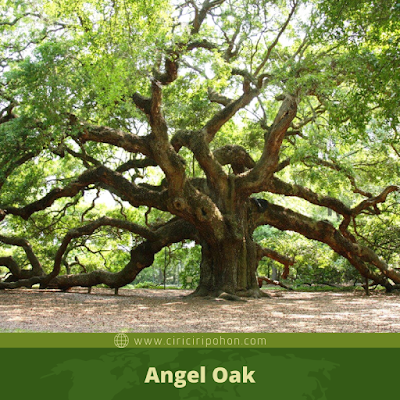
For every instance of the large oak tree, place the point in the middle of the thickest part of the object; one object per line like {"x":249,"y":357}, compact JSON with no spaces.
{"x":205,"y":119}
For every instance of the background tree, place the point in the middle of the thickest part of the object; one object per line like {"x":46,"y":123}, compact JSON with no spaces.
{"x":205,"y":120}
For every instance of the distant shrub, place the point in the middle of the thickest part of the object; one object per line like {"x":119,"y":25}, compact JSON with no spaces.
{"x":146,"y":285}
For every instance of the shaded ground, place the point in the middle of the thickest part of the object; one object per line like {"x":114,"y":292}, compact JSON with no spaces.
{"x":144,"y":310}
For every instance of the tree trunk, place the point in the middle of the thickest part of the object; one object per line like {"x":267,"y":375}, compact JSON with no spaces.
{"x":229,"y":266}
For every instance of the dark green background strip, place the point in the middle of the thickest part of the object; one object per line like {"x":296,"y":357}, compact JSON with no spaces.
{"x":117,"y":374}
{"x":202,"y":340}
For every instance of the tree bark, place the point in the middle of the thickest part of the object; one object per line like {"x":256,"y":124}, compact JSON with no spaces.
{"x":229,"y":266}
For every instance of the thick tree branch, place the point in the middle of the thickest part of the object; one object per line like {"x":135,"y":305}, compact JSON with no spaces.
{"x":198,"y":141}
{"x":278,"y":186}
{"x":37,"y":268}
{"x":224,"y":115}
{"x":141,"y":257}
{"x":200,"y":44}
{"x":12,"y":266}
{"x":142,"y":103}
{"x":171,"y":69}
{"x":127,"y":190}
{"x":260,"y":280}
{"x":255,"y":179}
{"x":128,"y":141}
{"x":138,"y":163}
{"x":201,"y":14}
{"x":322,"y":231}
{"x":218,"y":98}
{"x":274,"y":255}
{"x":7,"y":113}
{"x":88,"y":230}
{"x":236,"y":156}
{"x":162,"y":151}
{"x":372,"y":202}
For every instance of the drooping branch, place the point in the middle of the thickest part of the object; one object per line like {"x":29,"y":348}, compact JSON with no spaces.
{"x":141,"y":257}
{"x":372,"y":202}
{"x":135,"y":195}
{"x":28,"y":282}
{"x":278,"y":186}
{"x":12,"y":266}
{"x":322,"y":231}
{"x":116,"y":137}
{"x":269,"y":281}
{"x":88,"y":229}
{"x":274,"y":255}
{"x":37,"y":268}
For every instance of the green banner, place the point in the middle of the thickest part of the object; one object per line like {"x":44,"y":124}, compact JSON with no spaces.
{"x":116,"y":374}
{"x":200,"y":340}
{"x":116,"y":366}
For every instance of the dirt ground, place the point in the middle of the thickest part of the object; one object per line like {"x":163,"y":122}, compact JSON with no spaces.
{"x":144,"y":310}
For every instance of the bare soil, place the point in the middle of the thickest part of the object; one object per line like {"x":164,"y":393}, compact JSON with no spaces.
{"x":144,"y":310}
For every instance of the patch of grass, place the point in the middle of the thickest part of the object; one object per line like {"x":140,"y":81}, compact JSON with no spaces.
{"x":20,"y":331}
{"x":168,"y":287}
{"x":326,"y":288}
{"x":151,"y":285}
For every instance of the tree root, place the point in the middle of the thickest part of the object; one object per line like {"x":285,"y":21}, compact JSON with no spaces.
{"x":239,"y":295}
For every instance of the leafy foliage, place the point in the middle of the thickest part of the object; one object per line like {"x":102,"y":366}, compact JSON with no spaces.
{"x":123,"y":113}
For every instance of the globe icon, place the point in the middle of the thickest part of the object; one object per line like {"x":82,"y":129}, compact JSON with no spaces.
{"x":121,"y":340}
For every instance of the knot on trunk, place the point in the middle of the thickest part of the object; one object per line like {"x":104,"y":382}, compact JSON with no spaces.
{"x":203,"y":214}
{"x":179,"y":204}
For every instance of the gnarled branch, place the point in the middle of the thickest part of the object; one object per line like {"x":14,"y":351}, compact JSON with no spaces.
{"x":236,"y":156}
{"x":373,"y":201}
{"x":255,"y":179}
{"x":37,"y":268}
{"x":116,"y":137}
{"x":127,"y":190}
{"x":322,"y":231}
